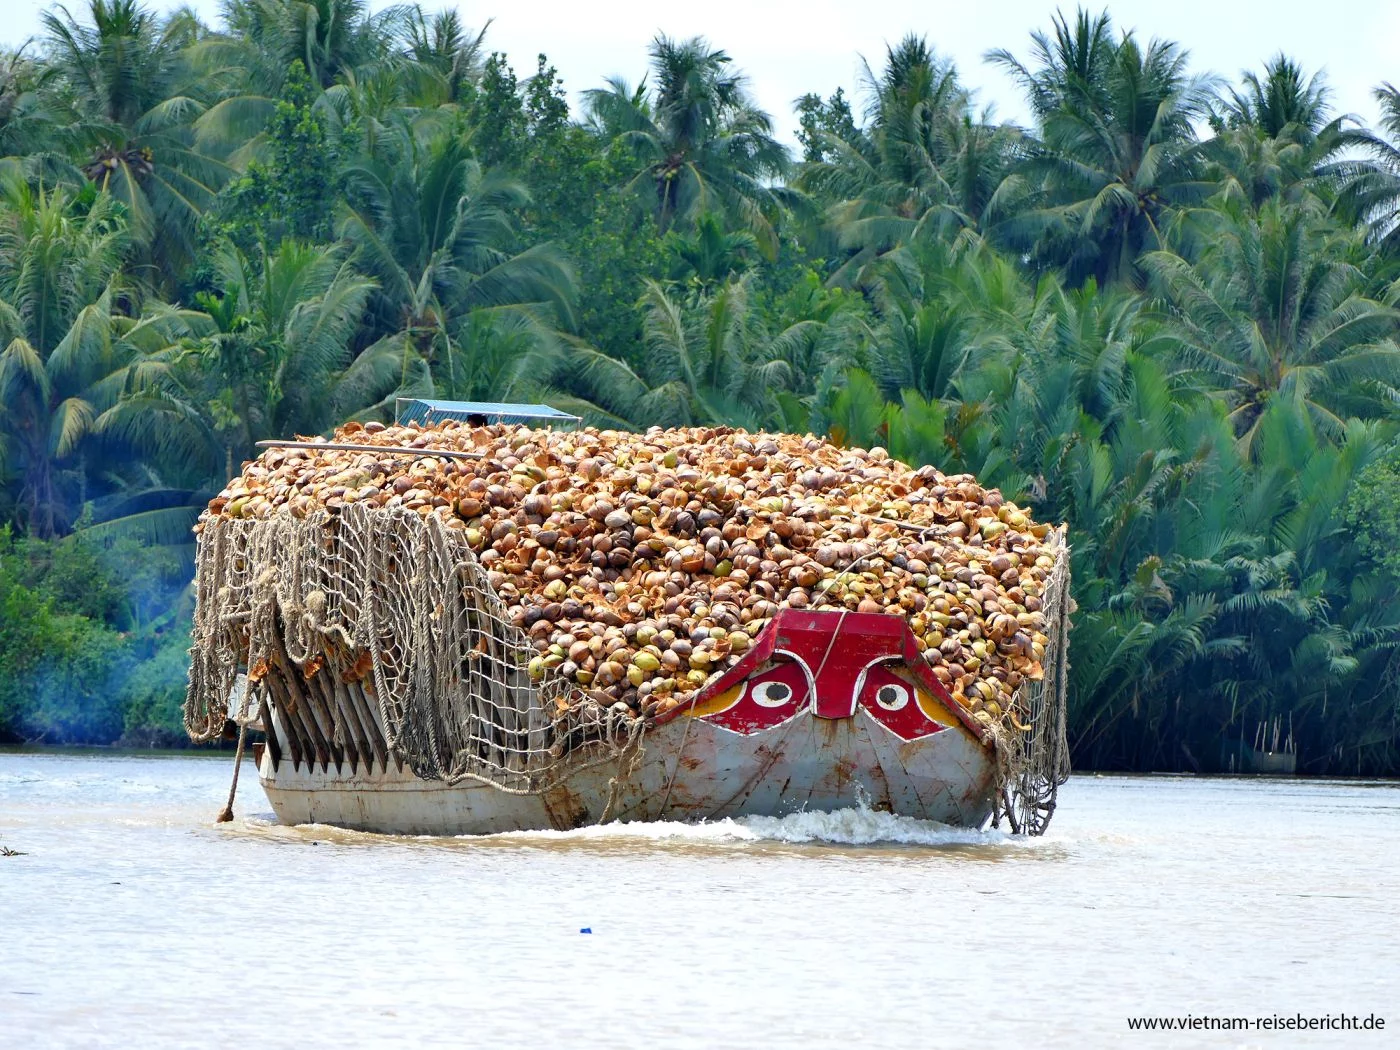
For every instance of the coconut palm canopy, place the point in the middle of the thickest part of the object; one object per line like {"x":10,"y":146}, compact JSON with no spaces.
{"x":1164,"y":312}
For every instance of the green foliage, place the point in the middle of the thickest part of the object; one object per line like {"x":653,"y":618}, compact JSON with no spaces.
{"x":60,"y":671}
{"x":1118,"y":151}
{"x":74,"y":336}
{"x":1165,"y":314}
{"x":152,"y":693}
{"x":580,"y":206}
{"x":695,"y":137}
{"x":819,"y":122}
{"x":925,"y":165}
{"x":86,"y":645}
{"x":1372,"y":513}
{"x":287,"y":194}
{"x":123,"y":84}
{"x":498,"y":115}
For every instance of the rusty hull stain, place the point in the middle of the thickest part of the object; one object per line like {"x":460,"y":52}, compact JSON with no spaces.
{"x":565,"y":809}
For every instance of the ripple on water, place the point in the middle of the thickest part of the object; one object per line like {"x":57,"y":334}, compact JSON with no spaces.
{"x":854,"y":833}
{"x":132,"y":911}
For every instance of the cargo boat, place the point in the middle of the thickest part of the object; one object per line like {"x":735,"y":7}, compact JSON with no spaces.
{"x":374,"y":717}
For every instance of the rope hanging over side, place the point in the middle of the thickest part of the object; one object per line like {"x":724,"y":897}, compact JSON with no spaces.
{"x":629,"y":760}
{"x":227,"y":814}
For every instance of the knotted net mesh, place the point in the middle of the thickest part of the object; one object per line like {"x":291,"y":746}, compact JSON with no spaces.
{"x":1034,"y":762}
{"x":375,"y":634}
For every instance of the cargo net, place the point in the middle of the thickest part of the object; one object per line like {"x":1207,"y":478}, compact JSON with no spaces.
{"x":1033,"y":758}
{"x":376,"y":637}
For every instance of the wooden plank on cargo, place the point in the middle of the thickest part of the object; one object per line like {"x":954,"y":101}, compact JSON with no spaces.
{"x":392,"y":450}
{"x":322,"y":716}
{"x":281,"y":702}
{"x":342,"y":734}
{"x":350,"y":712}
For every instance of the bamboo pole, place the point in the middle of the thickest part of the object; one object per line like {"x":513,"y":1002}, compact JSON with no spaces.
{"x":350,"y":715}
{"x":909,"y":525}
{"x":324,"y":718}
{"x":291,"y":723}
{"x":369,"y":721}
{"x":270,"y":731}
{"x":393,"y":450}
{"x":302,"y":705}
{"x":342,"y":733}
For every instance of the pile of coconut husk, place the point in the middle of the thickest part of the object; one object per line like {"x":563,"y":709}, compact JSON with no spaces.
{"x":642,"y":565}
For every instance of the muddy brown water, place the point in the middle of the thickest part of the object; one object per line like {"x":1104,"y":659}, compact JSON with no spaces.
{"x":132,"y":920}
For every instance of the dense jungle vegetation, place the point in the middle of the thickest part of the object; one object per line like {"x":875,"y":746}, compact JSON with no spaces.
{"x":1166,"y":313}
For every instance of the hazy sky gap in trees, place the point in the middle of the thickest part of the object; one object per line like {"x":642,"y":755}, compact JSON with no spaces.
{"x":789,"y":47}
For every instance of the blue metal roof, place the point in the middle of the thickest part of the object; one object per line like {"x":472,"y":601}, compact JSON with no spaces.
{"x":428,"y":410}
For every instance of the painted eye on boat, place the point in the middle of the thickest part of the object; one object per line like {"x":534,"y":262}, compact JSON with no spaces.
{"x":772,"y":694}
{"x":892,"y":697}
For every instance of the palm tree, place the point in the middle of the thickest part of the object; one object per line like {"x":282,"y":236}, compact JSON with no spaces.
{"x":395,"y":53}
{"x":1162,"y":529}
{"x":1274,"y":309}
{"x":70,"y":346}
{"x":1370,"y":192}
{"x":29,"y":128}
{"x":944,"y":309}
{"x":134,"y":103}
{"x":711,"y":357}
{"x":1273,"y":137}
{"x":925,"y":160}
{"x":1071,"y":66}
{"x":437,"y":234}
{"x":717,"y":352}
{"x":1118,"y":147}
{"x":698,"y":141}
{"x":712,"y":254}
{"x":443,"y":53}
{"x":1301,"y":631}
{"x":328,"y":37}
{"x":1248,"y":165}
{"x":278,"y":359}
{"x":1285,"y":103}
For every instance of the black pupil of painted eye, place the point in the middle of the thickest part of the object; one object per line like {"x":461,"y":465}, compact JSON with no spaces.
{"x":889,"y":694}
{"x":777,"y":691}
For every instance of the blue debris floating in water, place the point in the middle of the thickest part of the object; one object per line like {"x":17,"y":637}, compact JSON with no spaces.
{"x":586,"y":929}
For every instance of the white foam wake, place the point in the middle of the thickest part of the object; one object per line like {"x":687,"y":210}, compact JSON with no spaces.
{"x":864,"y":827}
{"x":844,"y":827}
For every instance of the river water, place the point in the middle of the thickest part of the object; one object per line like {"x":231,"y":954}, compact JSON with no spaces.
{"x":132,"y":920}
